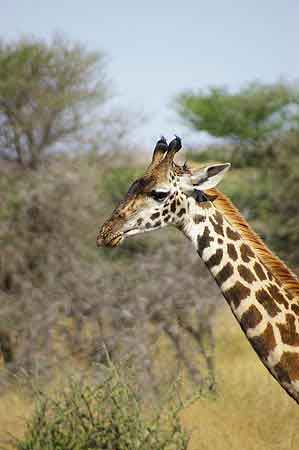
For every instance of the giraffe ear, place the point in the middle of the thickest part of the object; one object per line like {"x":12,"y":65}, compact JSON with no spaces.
{"x":207,"y":177}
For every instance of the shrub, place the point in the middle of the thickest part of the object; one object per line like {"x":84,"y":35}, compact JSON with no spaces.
{"x":109,"y":415}
{"x":117,"y":182}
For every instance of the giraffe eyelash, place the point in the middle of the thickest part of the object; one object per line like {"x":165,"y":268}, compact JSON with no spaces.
{"x":159,"y":196}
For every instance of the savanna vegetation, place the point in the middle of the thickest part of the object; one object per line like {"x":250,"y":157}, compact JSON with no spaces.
{"x":47,"y":94}
{"x":257,"y":111}
{"x":103,"y":415}
{"x":90,"y":338}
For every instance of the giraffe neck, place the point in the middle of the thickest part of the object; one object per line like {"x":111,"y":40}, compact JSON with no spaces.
{"x":267,"y":312}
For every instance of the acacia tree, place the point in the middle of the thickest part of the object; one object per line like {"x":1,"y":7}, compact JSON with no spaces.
{"x":255,"y":112}
{"x":47,"y":93}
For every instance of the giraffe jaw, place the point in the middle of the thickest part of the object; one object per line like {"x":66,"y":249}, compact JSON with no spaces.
{"x":115,"y":241}
{"x":117,"y":238}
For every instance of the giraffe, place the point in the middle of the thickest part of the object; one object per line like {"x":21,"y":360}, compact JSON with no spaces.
{"x":261,"y":291}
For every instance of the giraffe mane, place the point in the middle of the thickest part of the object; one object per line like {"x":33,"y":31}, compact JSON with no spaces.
{"x":278,"y":268}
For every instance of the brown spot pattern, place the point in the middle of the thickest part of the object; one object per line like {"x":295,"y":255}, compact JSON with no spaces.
{"x":274,"y":291}
{"x":198,"y":218}
{"x":246,"y":274}
{"x":295,"y":308}
{"x":259,"y":271}
{"x":251,"y":318}
{"x":224,"y":273}
{"x":270,"y":276}
{"x":218,"y":223}
{"x":204,"y":241}
{"x":288,"y":367}
{"x":181,"y":212}
{"x":237,"y":293}
{"x":233,"y":235}
{"x":215,"y":259}
{"x":288,"y":331}
{"x":265,"y":342}
{"x":232,"y":252}
{"x":246,"y":253}
{"x":220,"y":241}
{"x":218,"y":217}
{"x":173,"y":206}
{"x":139,"y":221}
{"x":205,"y":205}
{"x":155,"y":216}
{"x":277,"y":280}
{"x":267,"y":301}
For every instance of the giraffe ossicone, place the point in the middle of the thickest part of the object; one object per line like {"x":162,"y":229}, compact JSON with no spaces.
{"x":262,"y":292}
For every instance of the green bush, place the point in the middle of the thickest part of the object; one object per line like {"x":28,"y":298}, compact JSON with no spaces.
{"x":117,"y":182}
{"x":107,"y":416}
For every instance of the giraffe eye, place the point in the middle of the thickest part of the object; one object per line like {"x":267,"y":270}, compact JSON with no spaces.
{"x":159,"y":196}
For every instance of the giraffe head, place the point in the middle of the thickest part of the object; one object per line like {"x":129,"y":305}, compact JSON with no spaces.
{"x":163,"y":196}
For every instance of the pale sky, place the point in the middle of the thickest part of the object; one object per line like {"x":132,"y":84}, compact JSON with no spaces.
{"x":156,"y":49}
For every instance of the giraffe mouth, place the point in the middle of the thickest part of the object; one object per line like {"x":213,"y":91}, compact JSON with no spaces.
{"x":131,"y":232}
{"x":115,"y":241}
{"x":117,"y":238}
{"x":109,"y":241}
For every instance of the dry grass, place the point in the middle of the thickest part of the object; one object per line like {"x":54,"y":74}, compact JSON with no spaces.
{"x":251,"y":410}
{"x":15,"y":409}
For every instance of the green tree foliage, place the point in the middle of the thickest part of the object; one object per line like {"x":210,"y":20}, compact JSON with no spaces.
{"x":47,"y":91}
{"x":278,"y":184}
{"x":253,"y":113}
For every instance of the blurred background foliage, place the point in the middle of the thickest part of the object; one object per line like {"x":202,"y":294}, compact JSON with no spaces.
{"x":257,"y":111}
{"x":47,"y":94}
{"x":64,"y":303}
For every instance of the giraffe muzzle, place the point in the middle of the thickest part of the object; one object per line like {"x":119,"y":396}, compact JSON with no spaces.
{"x":109,"y":241}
